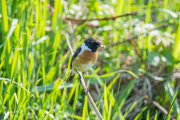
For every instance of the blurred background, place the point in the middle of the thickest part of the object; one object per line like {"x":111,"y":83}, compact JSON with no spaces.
{"x":136,"y":76}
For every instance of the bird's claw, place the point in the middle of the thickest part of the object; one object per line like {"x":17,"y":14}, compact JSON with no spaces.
{"x":79,"y":79}
{"x":86,"y":91}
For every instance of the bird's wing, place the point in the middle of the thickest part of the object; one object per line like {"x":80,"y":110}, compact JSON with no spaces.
{"x":75,"y":54}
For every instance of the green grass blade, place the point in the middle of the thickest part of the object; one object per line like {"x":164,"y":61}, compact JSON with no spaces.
{"x":140,"y":114}
{"x":176,"y":50}
{"x":156,"y":116}
{"x":170,"y":92}
{"x":127,"y":112}
{"x":171,"y":106}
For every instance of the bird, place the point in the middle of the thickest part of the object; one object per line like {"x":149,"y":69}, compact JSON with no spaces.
{"x":84,"y":57}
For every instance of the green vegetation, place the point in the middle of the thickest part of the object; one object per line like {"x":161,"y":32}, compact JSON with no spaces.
{"x":35,"y":59}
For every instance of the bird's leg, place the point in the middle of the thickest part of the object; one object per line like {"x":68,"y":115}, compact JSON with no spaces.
{"x":79,"y":78}
{"x":83,"y":74}
{"x":85,"y":83}
{"x":83,"y":78}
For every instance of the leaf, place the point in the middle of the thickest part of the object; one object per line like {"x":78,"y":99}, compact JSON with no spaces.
{"x":85,"y":109}
{"x":120,"y":71}
{"x":170,"y":92}
{"x":5,"y":79}
{"x":2,"y":64}
{"x":176,"y":51}
{"x":153,"y":76}
{"x":171,"y":106}
{"x":140,"y":114}
{"x":50,"y":86}
{"x":105,"y":106}
{"x":154,"y":58}
{"x":156,"y":115}
{"x":128,"y":111}
{"x":132,"y":74}
{"x":13,"y":26}
{"x":14,"y":64}
{"x":167,"y":56}
{"x":40,"y":40}
{"x":173,"y":14}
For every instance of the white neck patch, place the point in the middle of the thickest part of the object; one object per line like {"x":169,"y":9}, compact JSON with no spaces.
{"x":84,"y":47}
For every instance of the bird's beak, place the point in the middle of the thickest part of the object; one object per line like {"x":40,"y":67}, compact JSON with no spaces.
{"x":102,"y":46}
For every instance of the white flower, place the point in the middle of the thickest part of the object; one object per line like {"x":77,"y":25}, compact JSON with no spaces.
{"x":154,"y":33}
{"x":76,"y":7}
{"x":147,"y":27}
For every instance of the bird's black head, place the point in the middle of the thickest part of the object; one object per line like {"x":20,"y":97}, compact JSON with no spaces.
{"x":93,"y":44}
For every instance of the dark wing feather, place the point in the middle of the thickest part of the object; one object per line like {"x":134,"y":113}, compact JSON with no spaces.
{"x":75,"y":54}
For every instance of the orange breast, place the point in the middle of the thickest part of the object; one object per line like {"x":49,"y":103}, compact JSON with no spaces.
{"x":85,"y":58}
{"x":88,"y":56}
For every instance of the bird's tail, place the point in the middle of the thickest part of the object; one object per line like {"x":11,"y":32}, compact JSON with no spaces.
{"x":71,"y":76}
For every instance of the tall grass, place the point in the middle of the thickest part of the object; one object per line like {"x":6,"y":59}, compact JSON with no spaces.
{"x":35,"y":59}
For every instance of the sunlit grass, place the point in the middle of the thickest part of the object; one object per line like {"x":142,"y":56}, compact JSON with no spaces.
{"x":35,"y":59}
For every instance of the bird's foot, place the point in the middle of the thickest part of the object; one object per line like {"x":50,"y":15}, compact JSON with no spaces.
{"x":79,"y":78}
{"x":84,"y":73}
{"x":86,"y":91}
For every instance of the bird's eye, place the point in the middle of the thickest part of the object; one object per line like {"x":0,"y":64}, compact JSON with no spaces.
{"x":94,"y":43}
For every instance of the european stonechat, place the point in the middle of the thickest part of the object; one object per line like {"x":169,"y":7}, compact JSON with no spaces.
{"x":84,"y":57}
